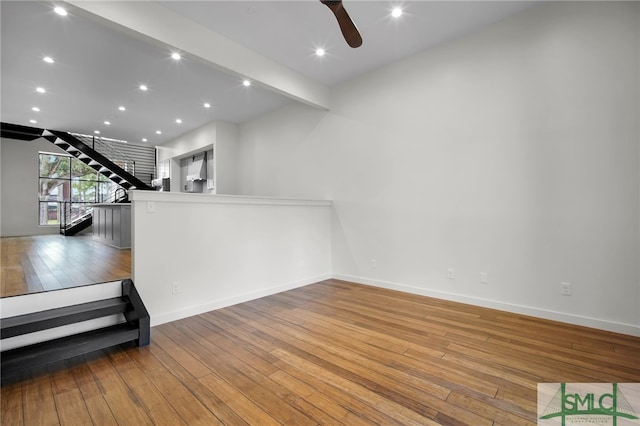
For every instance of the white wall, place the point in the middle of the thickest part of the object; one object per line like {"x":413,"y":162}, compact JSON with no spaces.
{"x":514,"y":152}
{"x":220,"y":134}
{"x":19,"y":176}
{"x":226,"y":157}
{"x":224,"y":250}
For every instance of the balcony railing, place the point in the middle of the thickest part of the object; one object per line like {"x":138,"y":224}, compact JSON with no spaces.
{"x":108,"y":148}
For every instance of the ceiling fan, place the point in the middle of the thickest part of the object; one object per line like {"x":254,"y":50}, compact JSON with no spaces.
{"x":348,"y":28}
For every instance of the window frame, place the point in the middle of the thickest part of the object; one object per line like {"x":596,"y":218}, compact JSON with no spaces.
{"x":70,"y":182}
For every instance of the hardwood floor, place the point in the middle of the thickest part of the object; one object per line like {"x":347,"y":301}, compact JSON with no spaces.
{"x":329,"y":353}
{"x":51,"y":262}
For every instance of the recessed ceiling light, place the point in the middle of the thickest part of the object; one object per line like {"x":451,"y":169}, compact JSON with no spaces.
{"x":107,"y":123}
{"x":246,"y":83}
{"x":158,"y":132}
{"x":60,"y":11}
{"x":207,"y":105}
{"x":144,"y":139}
{"x":121,"y":108}
{"x":178,"y":120}
{"x":36,"y":109}
{"x":40,"y":90}
{"x":143,"y":87}
{"x":97,"y":132}
{"x":175,"y":56}
{"x":48,"y":59}
{"x":32,"y":121}
{"x":396,"y":12}
{"x":320,"y":52}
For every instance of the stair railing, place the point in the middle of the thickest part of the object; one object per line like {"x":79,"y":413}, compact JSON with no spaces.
{"x":105,"y":146}
{"x":66,"y":208}
{"x":117,"y":198}
{"x":67,"y":214}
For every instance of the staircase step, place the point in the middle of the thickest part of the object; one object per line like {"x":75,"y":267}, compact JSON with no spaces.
{"x":18,"y":359}
{"x":29,"y":323}
{"x":64,"y":146}
{"x":80,"y":224}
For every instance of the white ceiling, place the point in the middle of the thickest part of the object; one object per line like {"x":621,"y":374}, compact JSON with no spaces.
{"x":100,"y":65}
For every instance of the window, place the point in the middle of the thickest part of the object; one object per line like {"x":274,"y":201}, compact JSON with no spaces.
{"x":68,"y":184}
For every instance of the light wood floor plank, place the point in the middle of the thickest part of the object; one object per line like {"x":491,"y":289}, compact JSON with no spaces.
{"x":373,"y":374}
{"x":243,"y":373}
{"x":38,"y":403}
{"x":126,"y":409}
{"x":11,"y":413}
{"x":216,"y":405}
{"x":94,"y":399}
{"x":181,"y":399}
{"x":373,"y":399}
{"x":237,"y":401}
{"x":155,"y":404}
{"x":72,"y":409}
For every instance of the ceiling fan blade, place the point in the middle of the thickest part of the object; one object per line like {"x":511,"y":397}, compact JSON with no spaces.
{"x":348,"y":28}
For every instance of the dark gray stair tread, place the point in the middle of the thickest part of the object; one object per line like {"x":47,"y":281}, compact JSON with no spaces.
{"x":84,"y":221}
{"x":66,"y":347}
{"x":29,"y":323}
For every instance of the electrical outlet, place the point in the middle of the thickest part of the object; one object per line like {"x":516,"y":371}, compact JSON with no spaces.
{"x":565,"y":289}
{"x":484,"y":278}
{"x":451,"y":273}
{"x":374,"y":264}
{"x":176,"y":288}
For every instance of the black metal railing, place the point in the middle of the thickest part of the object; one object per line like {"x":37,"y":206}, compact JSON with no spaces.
{"x":73,"y":212}
{"x":106,"y":147}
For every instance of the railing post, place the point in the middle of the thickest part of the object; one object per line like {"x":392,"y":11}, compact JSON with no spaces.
{"x":62,"y":211}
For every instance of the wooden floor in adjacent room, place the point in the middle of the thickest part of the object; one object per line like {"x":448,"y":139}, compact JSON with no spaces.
{"x":330,"y":353}
{"x":51,"y":262}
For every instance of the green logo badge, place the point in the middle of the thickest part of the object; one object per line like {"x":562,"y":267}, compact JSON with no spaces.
{"x":588,"y":403}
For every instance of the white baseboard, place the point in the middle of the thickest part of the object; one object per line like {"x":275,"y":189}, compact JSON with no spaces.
{"x":616,"y":327}
{"x":241,"y":298}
